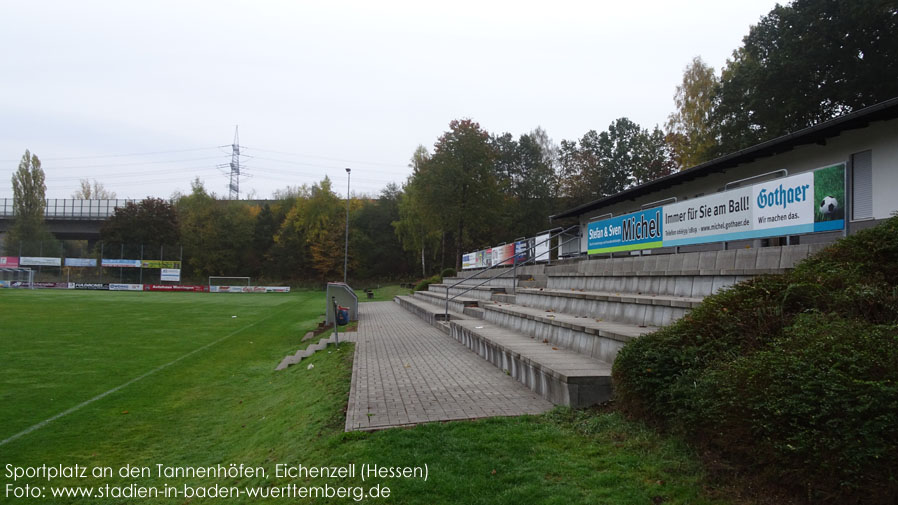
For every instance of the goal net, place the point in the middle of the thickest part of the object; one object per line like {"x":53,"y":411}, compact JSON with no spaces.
{"x":17,"y":277}
{"x":228,"y":281}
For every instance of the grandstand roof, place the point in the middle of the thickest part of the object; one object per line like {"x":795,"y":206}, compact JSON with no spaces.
{"x":817,"y":134}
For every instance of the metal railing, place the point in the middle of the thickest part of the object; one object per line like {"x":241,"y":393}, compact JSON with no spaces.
{"x":70,"y":208}
{"x":515,"y":263}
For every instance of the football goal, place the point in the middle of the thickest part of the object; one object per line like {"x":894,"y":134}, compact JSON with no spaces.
{"x":17,"y":277}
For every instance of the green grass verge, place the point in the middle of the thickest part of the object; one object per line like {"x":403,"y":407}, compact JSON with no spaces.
{"x":383,"y":293}
{"x":225,"y":404}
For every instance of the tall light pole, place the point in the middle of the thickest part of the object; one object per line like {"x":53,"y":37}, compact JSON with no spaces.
{"x":346,"y":248}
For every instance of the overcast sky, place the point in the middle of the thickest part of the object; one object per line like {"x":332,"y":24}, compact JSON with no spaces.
{"x":144,"y":97}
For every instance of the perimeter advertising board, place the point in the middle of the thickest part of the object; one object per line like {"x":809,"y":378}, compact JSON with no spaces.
{"x":522,"y":250}
{"x":80,"y":262}
{"x":112,"y":263}
{"x":805,"y":203}
{"x":469,"y":261}
{"x":249,"y":289}
{"x":160,"y":264}
{"x":170,"y":275}
{"x":47,"y":285}
{"x":9,"y":262}
{"x":126,"y":287}
{"x":94,"y":286}
{"x":39,"y":261}
{"x":542,"y":247}
{"x":503,"y":254}
{"x":170,"y":287}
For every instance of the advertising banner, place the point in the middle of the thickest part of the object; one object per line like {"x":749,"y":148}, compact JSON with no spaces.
{"x":468,"y":261}
{"x":542,"y":247}
{"x":170,"y":287}
{"x":80,"y":262}
{"x":522,"y":250}
{"x":639,"y":230}
{"x":488,"y":258}
{"x":9,"y":262}
{"x":126,"y":287}
{"x":39,"y":261}
{"x":502,"y":254}
{"x":170,"y":275}
{"x":508,"y":254}
{"x":88,"y":285}
{"x":249,"y":289}
{"x":804,"y":203}
{"x":700,"y":220}
{"x":5,"y":284}
{"x":161,"y":264}
{"x":120,"y":263}
{"x":48,"y":285}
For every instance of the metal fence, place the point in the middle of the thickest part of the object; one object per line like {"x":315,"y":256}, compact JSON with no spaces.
{"x":76,"y":262}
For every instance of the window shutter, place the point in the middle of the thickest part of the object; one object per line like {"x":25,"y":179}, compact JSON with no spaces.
{"x":862,"y":185}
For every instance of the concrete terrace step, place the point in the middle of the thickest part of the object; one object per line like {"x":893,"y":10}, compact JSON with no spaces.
{"x":432,"y":314}
{"x":590,"y":336}
{"x":641,"y":298}
{"x":748,"y":262}
{"x":630,"y":308}
{"x":680,"y":285}
{"x":479,"y":292}
{"x":294,"y":359}
{"x":502,"y":282}
{"x":561,"y":376}
{"x":457,"y":304}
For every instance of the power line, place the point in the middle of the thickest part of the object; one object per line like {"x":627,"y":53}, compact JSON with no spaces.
{"x":150,"y":153}
{"x":393,"y":165}
{"x":317,"y":175}
{"x":135,"y":176}
{"x":136,"y":163}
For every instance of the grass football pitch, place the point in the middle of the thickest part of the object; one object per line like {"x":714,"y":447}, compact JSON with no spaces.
{"x":136,"y":387}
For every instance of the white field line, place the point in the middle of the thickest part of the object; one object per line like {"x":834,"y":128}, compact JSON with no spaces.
{"x":132,"y":381}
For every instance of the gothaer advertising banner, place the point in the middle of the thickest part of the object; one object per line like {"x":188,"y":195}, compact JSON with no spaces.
{"x":805,"y":203}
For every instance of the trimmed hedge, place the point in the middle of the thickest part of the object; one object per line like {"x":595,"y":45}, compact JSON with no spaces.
{"x":448,"y":272}
{"x":794,"y":377}
{"x":423,"y":284}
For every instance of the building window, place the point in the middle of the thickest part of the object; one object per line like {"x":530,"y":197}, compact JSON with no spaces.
{"x":862,"y":185}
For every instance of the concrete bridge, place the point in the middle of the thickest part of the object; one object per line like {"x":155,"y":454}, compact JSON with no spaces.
{"x":74,"y":219}
{"x":68,"y":219}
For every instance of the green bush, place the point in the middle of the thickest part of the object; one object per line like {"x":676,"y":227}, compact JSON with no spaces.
{"x":793,"y":376}
{"x":422,"y":285}
{"x":448,"y":272}
{"x":819,"y":405}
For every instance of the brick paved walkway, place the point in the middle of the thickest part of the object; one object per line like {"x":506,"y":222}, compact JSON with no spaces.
{"x":406,"y":372}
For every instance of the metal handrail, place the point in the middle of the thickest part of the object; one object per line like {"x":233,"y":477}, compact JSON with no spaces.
{"x":514,"y":258}
{"x":785,"y":172}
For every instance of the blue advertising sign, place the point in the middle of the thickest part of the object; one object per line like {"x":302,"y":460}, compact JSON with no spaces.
{"x":80,"y":262}
{"x":639,"y":230}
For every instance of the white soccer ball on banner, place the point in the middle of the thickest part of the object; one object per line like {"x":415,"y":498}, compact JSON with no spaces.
{"x":828,"y":206}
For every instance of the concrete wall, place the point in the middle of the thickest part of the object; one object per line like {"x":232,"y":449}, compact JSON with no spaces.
{"x":880,"y":137}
